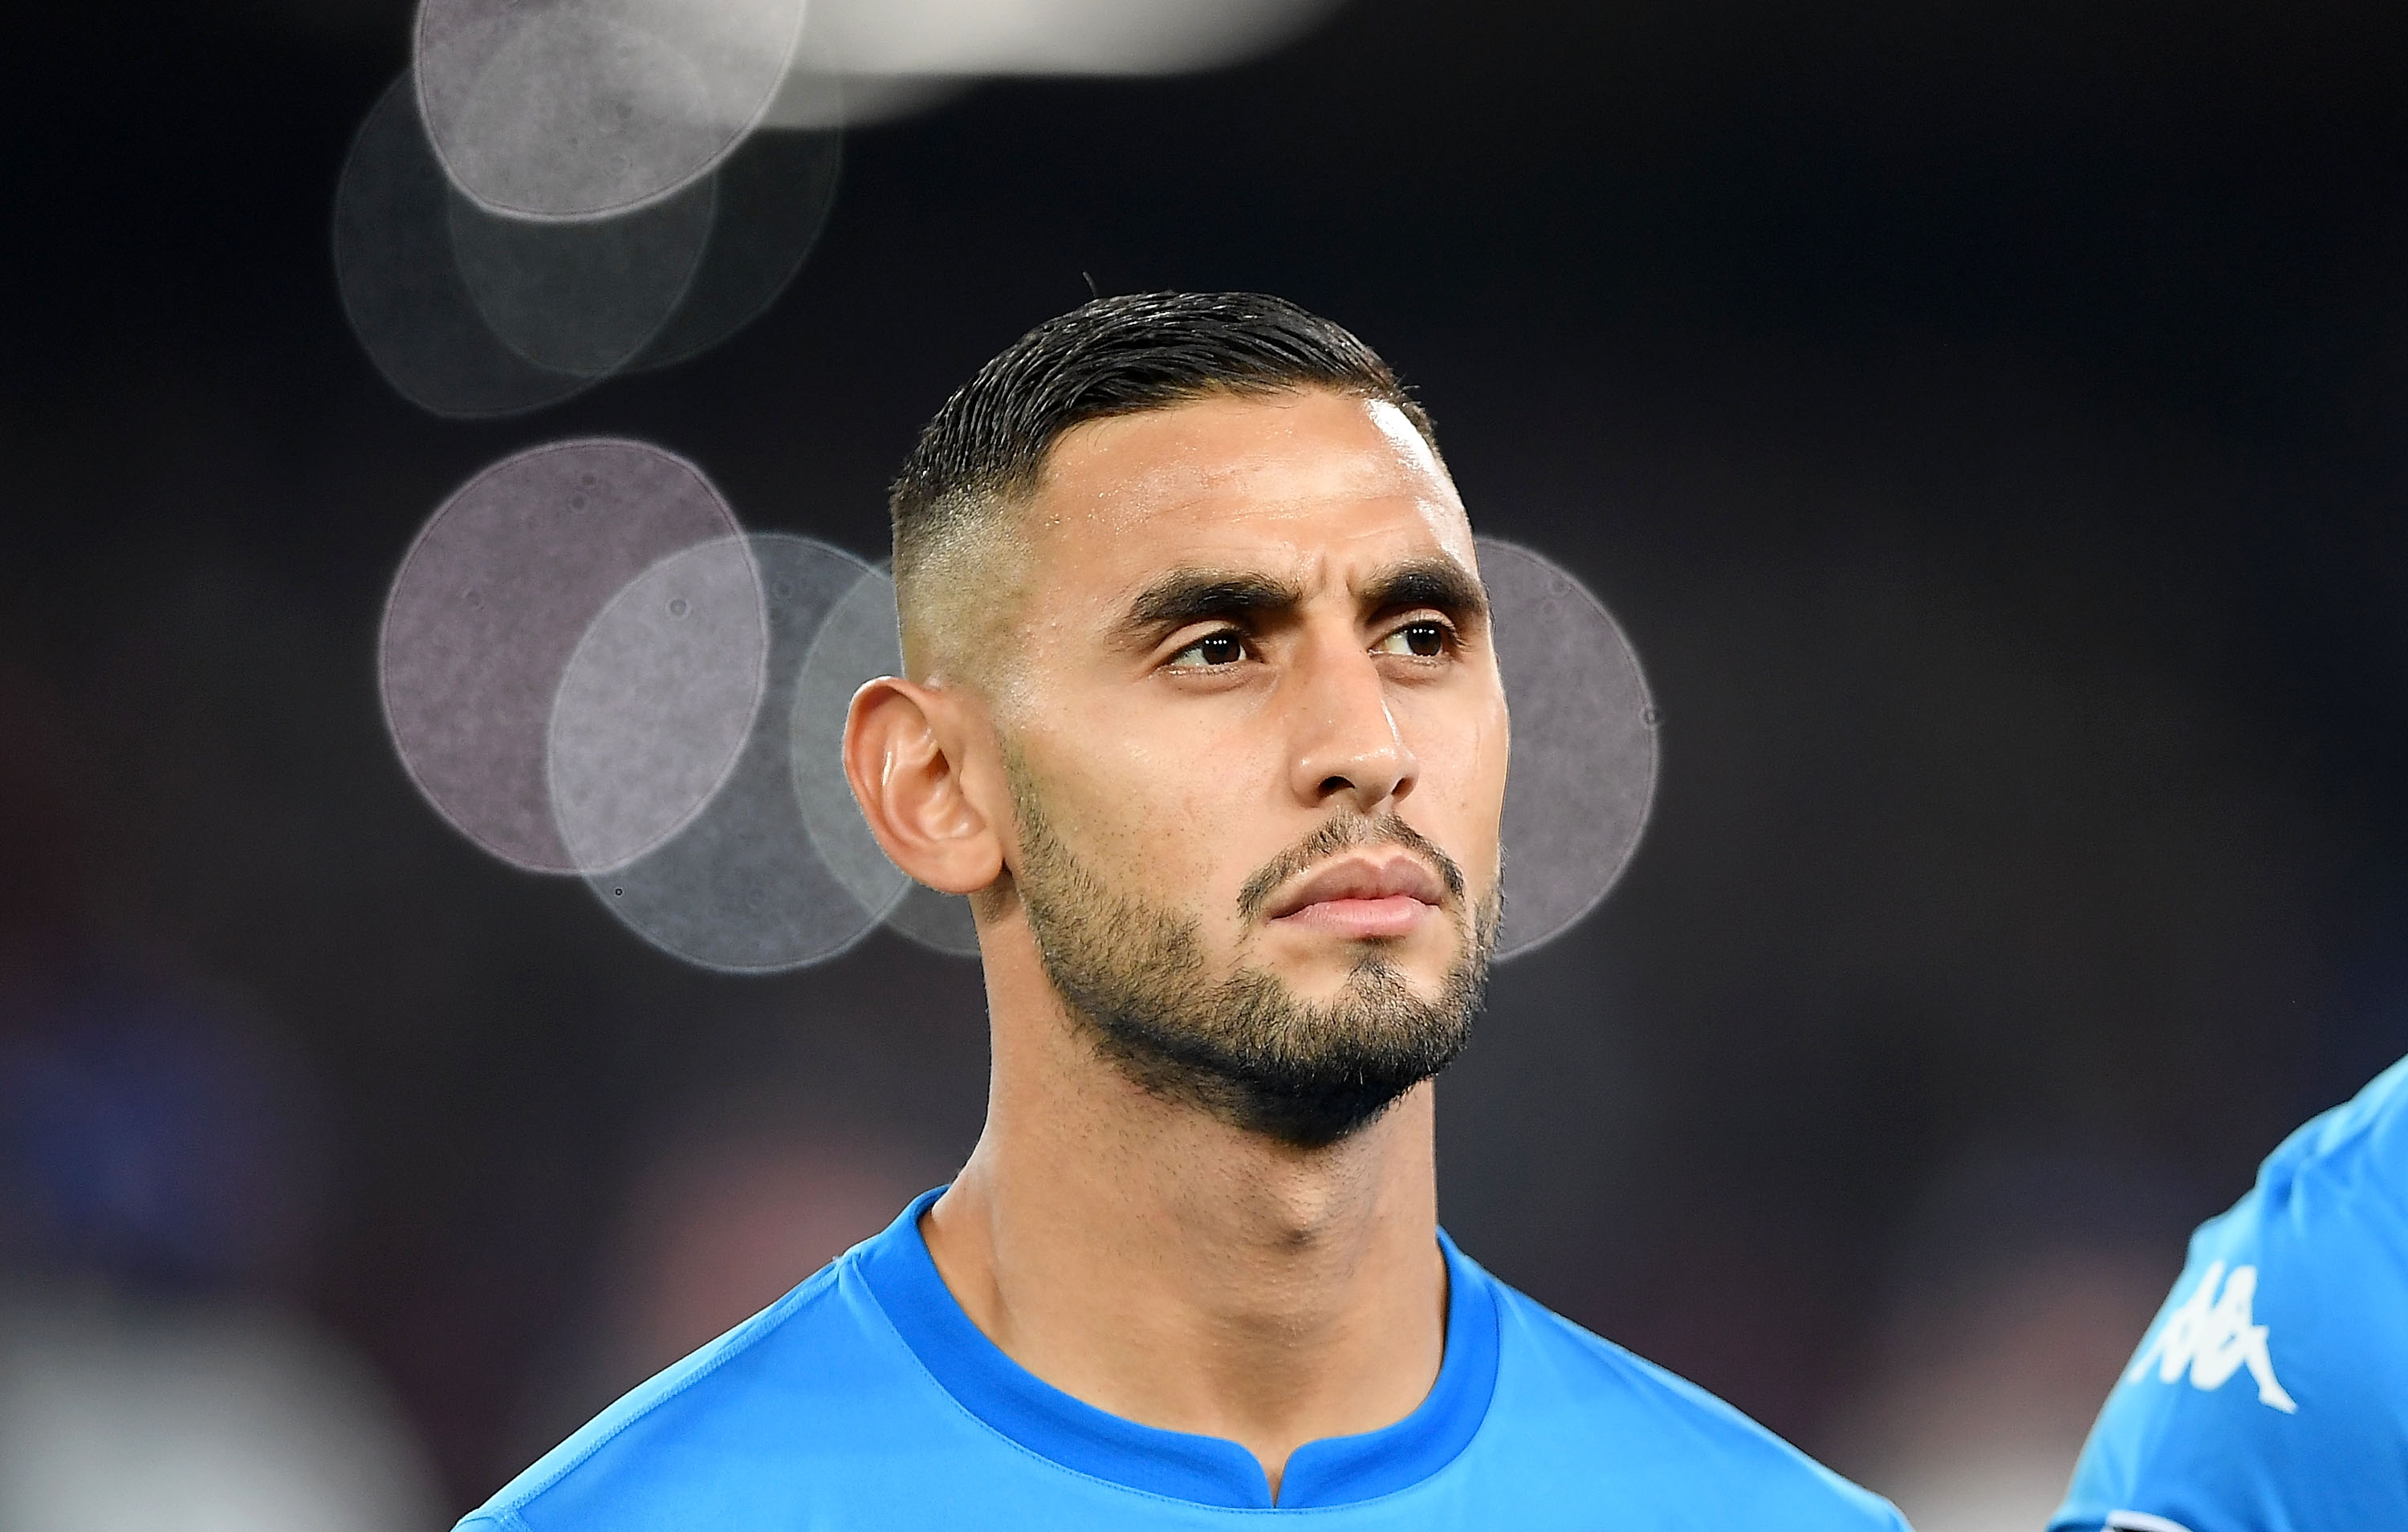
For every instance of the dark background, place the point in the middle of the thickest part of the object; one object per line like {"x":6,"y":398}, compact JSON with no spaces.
{"x":1987,"y":419}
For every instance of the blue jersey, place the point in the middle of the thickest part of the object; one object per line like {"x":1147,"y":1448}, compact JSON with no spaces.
{"x":2271,"y":1392}
{"x":867,"y":1399}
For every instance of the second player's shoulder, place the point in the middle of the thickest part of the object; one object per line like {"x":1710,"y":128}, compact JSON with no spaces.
{"x":2310,"y":1267}
{"x":2358,"y":1149}
{"x":1600,"y":1414}
{"x":2268,"y":1390}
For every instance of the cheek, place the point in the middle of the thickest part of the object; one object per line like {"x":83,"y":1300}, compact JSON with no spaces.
{"x":1463,"y":754}
{"x":1156,"y":813}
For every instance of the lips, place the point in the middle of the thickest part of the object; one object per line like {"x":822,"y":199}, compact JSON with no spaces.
{"x":1373,"y":893}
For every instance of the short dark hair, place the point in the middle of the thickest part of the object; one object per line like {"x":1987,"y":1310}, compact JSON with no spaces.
{"x":1115,"y":356}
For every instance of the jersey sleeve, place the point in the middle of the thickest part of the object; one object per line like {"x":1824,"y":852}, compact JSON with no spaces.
{"x":2271,"y":1394}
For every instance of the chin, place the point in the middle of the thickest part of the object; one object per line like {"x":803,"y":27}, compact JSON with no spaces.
{"x":1326,"y":975}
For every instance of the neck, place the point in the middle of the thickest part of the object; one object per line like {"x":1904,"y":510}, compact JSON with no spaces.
{"x":1167,"y":1267}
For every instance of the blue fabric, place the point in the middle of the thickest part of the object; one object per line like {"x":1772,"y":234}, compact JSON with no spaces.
{"x":866,"y":1398}
{"x":1207,"y":1469}
{"x":2270,"y":1392}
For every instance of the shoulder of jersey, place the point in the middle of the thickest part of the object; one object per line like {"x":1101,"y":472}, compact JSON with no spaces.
{"x":1733,"y":1472}
{"x":2367,"y":1131}
{"x":2268,"y":1385}
{"x":635,"y":1462}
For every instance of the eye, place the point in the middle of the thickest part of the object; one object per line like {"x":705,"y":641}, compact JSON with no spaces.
{"x":1213,"y":649}
{"x":1425,"y":639}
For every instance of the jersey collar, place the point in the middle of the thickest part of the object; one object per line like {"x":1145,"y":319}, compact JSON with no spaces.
{"x":1336,"y":1470}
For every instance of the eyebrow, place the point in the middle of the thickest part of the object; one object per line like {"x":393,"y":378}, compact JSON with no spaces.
{"x":1198,"y":595}
{"x":1439,"y":582}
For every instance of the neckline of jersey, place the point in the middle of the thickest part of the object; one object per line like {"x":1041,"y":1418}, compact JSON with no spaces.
{"x":1208,"y":1470}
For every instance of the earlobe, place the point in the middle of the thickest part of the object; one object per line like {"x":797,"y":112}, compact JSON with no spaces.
{"x":904,"y":745}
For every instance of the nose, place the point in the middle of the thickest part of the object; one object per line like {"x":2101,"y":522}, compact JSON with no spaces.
{"x":1346,"y":743}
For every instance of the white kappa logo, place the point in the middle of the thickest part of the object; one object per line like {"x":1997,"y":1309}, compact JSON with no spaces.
{"x":2215,"y":1336}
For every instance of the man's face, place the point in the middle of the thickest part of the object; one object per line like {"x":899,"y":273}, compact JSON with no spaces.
{"x":1258,"y":743}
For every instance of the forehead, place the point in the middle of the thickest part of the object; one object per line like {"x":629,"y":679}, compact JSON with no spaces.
{"x":1312,"y":484}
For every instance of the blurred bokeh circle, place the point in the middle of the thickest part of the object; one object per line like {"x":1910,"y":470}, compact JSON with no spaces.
{"x":589,"y":109}
{"x":742,"y":887}
{"x":584,"y":299}
{"x":396,"y":221}
{"x":656,"y":702}
{"x":472,"y":313}
{"x":1585,"y":743}
{"x":770,"y":202}
{"x":491,"y":602}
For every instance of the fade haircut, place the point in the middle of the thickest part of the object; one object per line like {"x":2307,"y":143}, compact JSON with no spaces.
{"x":986,"y":451}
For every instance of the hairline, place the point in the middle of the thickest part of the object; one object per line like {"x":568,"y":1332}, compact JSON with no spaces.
{"x":978,"y":512}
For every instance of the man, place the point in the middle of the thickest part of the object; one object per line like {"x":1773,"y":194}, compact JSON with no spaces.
{"x":1202,"y":715}
{"x":2271,"y":1392}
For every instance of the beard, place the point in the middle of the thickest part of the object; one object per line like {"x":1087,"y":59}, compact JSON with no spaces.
{"x":1244,"y":1046}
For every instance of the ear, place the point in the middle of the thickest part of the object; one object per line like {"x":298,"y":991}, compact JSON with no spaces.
{"x":904,"y":748}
